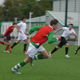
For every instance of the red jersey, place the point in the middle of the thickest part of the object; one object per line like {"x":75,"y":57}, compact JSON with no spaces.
{"x":9,"y":31}
{"x":41,"y":36}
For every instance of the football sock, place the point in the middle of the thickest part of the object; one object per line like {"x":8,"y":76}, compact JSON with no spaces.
{"x":25,"y":47}
{"x":13,"y":45}
{"x":7,"y":47}
{"x":2,"y":42}
{"x":55,"y":49}
{"x":66,"y":50}
{"x":78,"y":48}
{"x":39,"y":56}
{"x":19,"y":65}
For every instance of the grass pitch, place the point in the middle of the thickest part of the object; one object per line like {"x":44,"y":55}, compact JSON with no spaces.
{"x":56,"y":68}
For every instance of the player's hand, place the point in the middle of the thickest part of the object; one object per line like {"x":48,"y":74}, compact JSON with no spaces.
{"x":26,"y":28}
{"x":26,"y":34}
{"x":55,"y":32}
{"x":20,"y":31}
{"x":5,"y":38}
{"x":59,"y":37}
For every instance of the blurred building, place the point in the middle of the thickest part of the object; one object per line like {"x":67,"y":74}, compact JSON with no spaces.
{"x":1,"y":2}
{"x":58,"y":13}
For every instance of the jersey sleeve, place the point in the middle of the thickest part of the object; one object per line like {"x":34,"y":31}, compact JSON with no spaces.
{"x":19,"y":24}
{"x":65,"y":28}
{"x":73,"y":31}
{"x":50,"y":37}
{"x":8,"y":31}
{"x":36,"y":28}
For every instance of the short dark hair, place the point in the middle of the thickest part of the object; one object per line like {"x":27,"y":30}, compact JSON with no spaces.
{"x":24,"y":17}
{"x":54,"y":21}
{"x":71,"y":24}
{"x":14,"y":23}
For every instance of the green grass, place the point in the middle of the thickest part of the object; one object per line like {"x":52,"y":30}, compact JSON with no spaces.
{"x":56,"y":68}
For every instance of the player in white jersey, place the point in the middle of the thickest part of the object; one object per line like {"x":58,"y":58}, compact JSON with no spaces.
{"x":22,"y":34}
{"x":64,"y":37}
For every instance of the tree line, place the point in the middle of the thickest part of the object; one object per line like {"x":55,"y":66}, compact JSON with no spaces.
{"x":17,"y":8}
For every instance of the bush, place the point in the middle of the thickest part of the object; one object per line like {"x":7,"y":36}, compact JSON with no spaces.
{"x":1,"y":36}
{"x":72,"y":39}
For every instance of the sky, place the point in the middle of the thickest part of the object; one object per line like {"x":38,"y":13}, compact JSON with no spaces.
{"x":1,"y":2}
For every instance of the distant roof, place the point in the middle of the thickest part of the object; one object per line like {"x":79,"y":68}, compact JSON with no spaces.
{"x":73,"y":17}
{"x":38,"y":19}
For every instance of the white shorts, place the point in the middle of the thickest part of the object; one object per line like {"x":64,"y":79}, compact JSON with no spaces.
{"x":32,"y":50}
{"x":21,"y":36}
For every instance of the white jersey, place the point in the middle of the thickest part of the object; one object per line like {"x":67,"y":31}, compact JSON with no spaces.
{"x":22,"y":26}
{"x":67,"y":32}
{"x":21,"y":35}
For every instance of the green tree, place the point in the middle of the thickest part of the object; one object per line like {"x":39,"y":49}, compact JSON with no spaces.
{"x":46,"y":5}
{"x":1,"y":14}
{"x":37,"y":7}
{"x":11,"y":9}
{"x":30,"y":6}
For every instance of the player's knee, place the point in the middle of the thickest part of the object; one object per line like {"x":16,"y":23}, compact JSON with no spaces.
{"x":46,"y":56}
{"x":10,"y":43}
{"x":67,"y":45}
{"x":57,"y":47}
{"x":26,"y":42}
{"x":27,"y":60}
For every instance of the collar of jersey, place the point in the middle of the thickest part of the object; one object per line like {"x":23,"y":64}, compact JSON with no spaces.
{"x":50,"y":26}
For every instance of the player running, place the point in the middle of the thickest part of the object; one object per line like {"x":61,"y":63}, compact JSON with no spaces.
{"x":22,"y":34}
{"x":7,"y":38}
{"x":44,"y":33}
{"x":64,"y":37}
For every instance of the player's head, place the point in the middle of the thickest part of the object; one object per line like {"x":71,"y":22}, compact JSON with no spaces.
{"x":14,"y":24}
{"x":23,"y":18}
{"x":54,"y":24}
{"x":70,"y":26}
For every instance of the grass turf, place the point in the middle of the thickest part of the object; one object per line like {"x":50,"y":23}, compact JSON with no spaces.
{"x":56,"y":68}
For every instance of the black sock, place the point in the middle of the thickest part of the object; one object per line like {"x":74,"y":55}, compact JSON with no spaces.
{"x":66,"y":50}
{"x":78,"y":48}
{"x":55,"y":49}
{"x":13,"y":45}
{"x":25,"y":46}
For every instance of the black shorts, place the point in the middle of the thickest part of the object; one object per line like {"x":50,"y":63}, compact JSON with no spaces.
{"x":63,"y":42}
{"x":8,"y":38}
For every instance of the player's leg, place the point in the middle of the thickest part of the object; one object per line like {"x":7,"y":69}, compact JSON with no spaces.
{"x":43,"y":55}
{"x":77,"y":50}
{"x":25,"y":45}
{"x":21,"y":64}
{"x":56,"y":48}
{"x":9,"y":46}
{"x":66,"y":50}
{"x":30,"y":54}
{"x":2,"y":42}
{"x":6,"y":39}
{"x":15,"y":43}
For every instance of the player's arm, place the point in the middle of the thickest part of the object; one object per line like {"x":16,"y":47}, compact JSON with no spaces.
{"x":18,"y":28}
{"x":58,"y":30}
{"x":8,"y":31}
{"x":50,"y":37}
{"x":74,"y":34}
{"x":36,"y":28}
{"x":26,"y":28}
